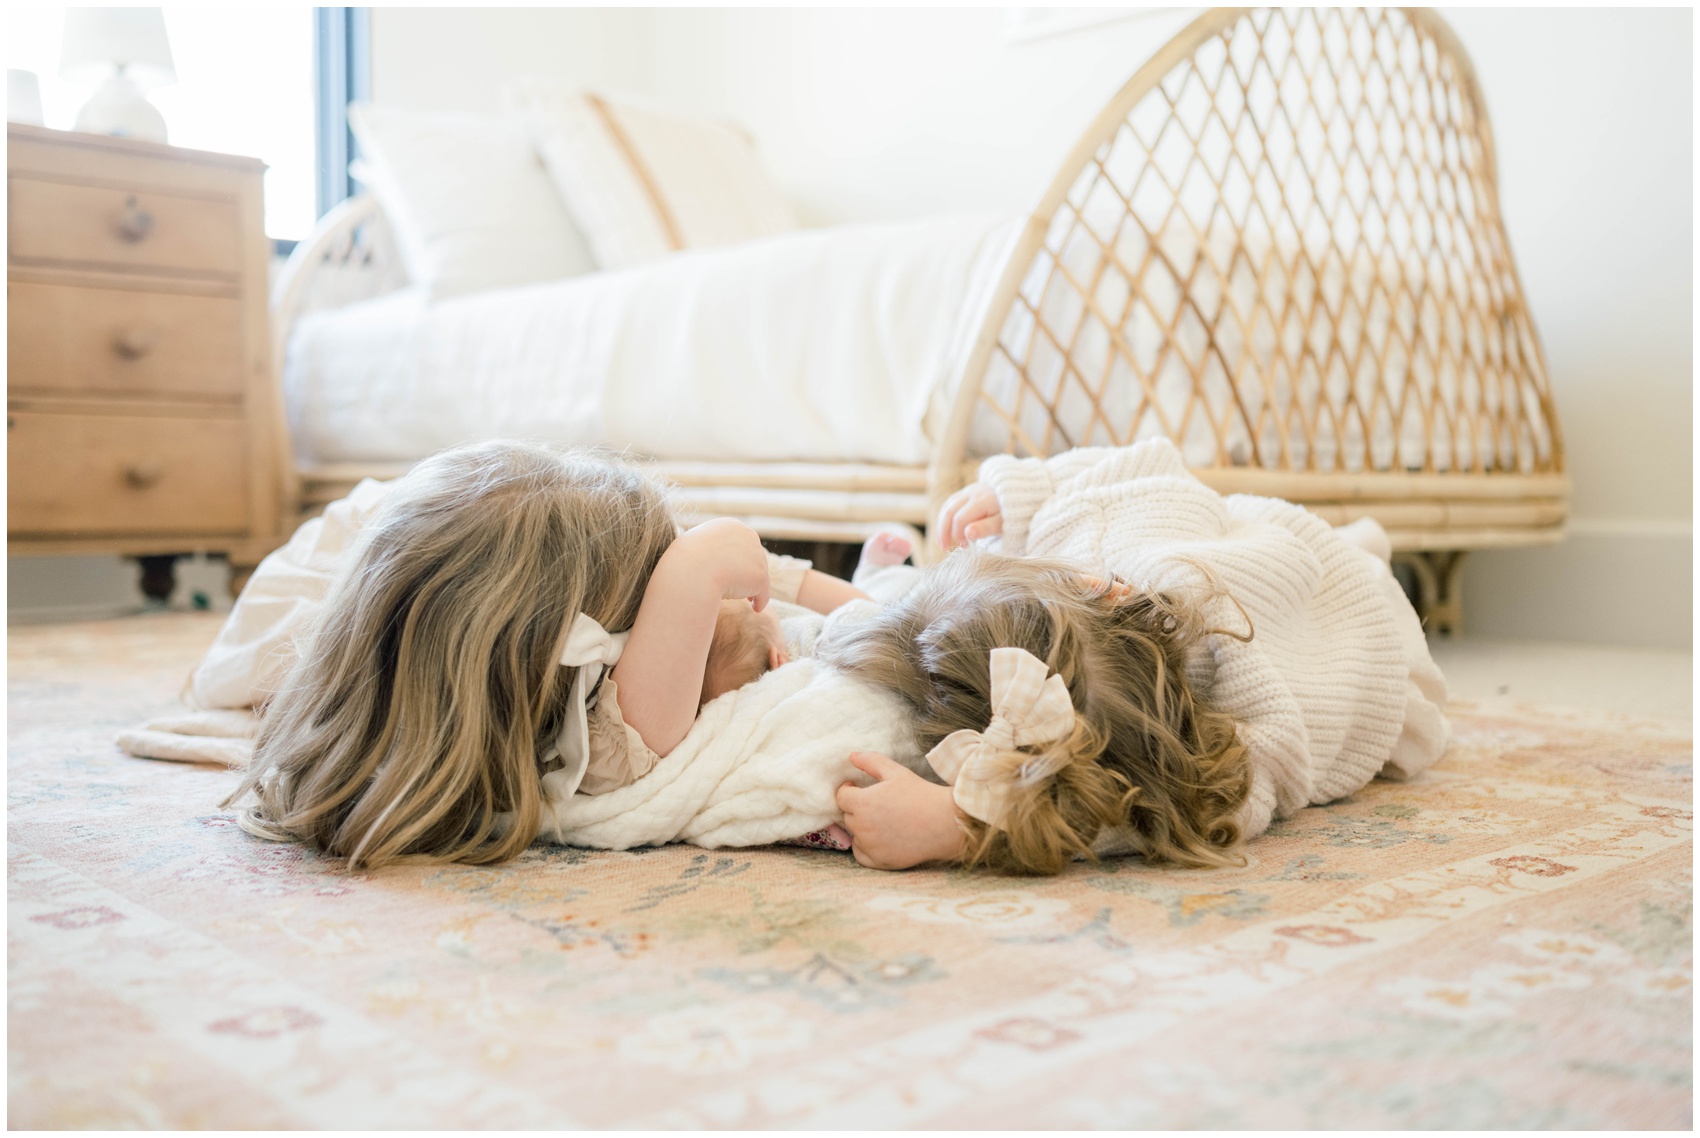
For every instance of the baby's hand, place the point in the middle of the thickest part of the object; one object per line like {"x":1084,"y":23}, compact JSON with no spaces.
{"x":901,"y":820}
{"x":969,"y":514}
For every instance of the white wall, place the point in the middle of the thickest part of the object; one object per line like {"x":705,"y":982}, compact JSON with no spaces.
{"x":882,"y":113}
{"x":861,"y":114}
{"x":1593,"y":113}
{"x":458,"y":58}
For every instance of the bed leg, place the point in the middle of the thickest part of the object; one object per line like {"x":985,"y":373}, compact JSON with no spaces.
{"x":158,"y":577}
{"x":1440,"y":589}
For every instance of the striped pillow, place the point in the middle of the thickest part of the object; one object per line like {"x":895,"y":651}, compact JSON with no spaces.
{"x":644,"y":182}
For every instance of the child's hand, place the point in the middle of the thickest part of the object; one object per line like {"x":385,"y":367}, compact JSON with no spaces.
{"x":1117,"y":590}
{"x":968,"y":515}
{"x":731,"y":553}
{"x":901,"y":820}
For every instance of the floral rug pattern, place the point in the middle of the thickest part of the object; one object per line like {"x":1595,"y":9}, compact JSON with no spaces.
{"x":1505,"y":942}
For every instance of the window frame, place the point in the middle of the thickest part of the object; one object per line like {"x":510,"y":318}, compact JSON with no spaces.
{"x":342,"y":73}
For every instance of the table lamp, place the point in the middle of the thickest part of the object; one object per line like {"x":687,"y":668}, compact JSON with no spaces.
{"x":123,"y":50}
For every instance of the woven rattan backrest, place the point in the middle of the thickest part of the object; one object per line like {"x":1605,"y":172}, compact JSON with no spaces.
{"x":1283,"y":251}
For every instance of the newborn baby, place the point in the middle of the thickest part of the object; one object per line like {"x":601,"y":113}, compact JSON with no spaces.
{"x":749,"y":644}
{"x":746,"y":646}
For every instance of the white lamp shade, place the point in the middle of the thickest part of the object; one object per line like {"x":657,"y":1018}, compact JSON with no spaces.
{"x":99,"y":42}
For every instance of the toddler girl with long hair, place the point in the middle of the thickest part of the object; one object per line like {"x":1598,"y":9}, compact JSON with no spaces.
{"x":501,"y":618}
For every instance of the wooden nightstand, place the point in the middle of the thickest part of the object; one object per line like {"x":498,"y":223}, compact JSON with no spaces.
{"x":142,"y":418}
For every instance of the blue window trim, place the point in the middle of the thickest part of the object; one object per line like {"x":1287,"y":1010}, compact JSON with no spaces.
{"x":342,"y":73}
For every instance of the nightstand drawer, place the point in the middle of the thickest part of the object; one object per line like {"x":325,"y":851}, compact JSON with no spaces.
{"x":67,"y":338}
{"x":115,"y":474}
{"x":73,"y":224}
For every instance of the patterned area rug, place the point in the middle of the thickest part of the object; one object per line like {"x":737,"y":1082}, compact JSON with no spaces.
{"x":1506,"y":942}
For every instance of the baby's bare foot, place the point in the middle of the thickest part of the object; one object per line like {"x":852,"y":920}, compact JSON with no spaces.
{"x":885,"y":549}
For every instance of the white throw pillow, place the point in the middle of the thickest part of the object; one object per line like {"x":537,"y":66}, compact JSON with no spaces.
{"x":644,"y":181}
{"x":470,"y":202}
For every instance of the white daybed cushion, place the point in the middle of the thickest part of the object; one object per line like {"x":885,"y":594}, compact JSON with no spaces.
{"x":818,"y":345}
{"x":470,"y":202}
{"x":644,"y":181}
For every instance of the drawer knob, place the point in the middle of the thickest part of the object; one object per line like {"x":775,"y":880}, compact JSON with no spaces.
{"x":134,"y":343}
{"x":136,"y":223}
{"x":140,"y":475}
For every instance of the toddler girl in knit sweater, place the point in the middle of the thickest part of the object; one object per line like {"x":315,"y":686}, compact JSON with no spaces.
{"x":1134,"y":664}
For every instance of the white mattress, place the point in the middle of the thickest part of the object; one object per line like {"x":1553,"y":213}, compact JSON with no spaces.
{"x":824,"y":345}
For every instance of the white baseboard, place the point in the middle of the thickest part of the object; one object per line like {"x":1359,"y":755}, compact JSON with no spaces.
{"x":68,"y":614}
{"x":1608,"y":582}
{"x":42,"y":590}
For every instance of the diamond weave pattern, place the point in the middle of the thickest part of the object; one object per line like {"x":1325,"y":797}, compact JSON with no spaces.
{"x":1288,"y":255}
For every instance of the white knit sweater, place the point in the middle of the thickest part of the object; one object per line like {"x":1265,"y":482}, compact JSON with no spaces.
{"x":1336,"y":684}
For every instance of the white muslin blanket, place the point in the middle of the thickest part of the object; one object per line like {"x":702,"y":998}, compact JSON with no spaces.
{"x":224,"y":736}
{"x":761,"y":764}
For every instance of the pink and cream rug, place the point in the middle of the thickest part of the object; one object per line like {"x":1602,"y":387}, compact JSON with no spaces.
{"x":1506,"y":942}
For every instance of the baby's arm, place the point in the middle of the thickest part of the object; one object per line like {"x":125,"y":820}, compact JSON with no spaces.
{"x":823,"y":593}
{"x":660,"y":671}
{"x":796,"y":582}
{"x":901,"y":820}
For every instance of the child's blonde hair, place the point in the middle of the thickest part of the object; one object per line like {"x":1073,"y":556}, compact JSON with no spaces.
{"x":410,"y":726}
{"x":1146,"y":752}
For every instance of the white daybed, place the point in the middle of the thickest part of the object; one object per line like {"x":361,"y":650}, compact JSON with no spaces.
{"x":1279,"y":244}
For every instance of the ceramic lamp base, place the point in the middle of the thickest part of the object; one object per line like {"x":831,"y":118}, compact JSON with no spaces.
{"x":119,"y":107}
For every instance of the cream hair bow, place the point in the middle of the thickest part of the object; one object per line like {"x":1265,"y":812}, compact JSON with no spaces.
{"x":591,"y":649}
{"x":1029,"y":707}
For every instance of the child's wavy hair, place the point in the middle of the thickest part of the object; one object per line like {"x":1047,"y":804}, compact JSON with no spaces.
{"x":410,"y":727}
{"x":1146,"y":753}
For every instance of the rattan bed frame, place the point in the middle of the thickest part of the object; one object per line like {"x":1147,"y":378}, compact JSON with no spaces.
{"x":1286,"y":154}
